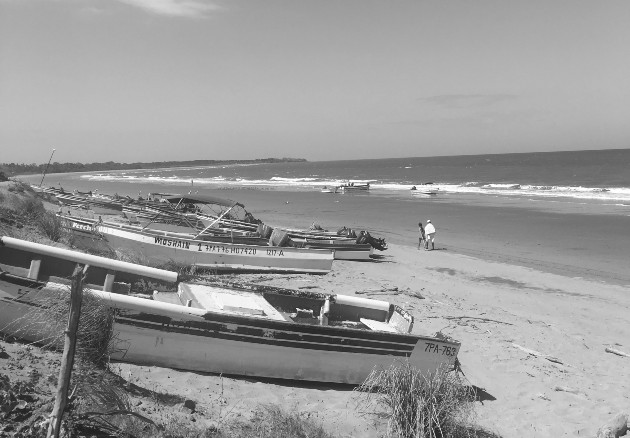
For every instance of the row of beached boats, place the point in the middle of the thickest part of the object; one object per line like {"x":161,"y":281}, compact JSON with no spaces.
{"x":207,"y":232}
{"x":212,"y":325}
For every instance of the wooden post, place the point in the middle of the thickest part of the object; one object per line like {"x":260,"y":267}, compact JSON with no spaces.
{"x":33,"y":271}
{"x":67,"y":360}
{"x":109,"y":281}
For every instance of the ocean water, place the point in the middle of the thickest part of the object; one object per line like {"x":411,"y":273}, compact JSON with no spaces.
{"x":577,"y":175}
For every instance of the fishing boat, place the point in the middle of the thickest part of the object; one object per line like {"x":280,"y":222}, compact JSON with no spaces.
{"x":352,"y":187}
{"x":99,"y":204}
{"x":157,"y":247}
{"x":424,"y":189}
{"x":237,"y":329}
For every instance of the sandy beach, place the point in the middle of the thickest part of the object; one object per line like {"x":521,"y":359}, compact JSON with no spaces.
{"x":513,"y":284}
{"x":496,"y":310}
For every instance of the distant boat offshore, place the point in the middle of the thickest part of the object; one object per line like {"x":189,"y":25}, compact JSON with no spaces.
{"x":424,"y":189}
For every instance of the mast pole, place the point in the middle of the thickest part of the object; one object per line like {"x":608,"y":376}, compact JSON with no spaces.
{"x":46,"y":169}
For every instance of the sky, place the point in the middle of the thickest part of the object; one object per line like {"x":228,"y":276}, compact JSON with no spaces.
{"x":154,"y":80}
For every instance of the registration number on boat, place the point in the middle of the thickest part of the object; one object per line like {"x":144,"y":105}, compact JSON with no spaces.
{"x":443,"y":350}
{"x":225,"y":249}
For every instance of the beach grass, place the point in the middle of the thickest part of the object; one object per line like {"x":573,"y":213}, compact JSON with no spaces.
{"x":25,"y":216}
{"x":417,"y":404}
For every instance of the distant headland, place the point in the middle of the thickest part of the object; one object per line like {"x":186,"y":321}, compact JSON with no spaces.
{"x":11,"y":169}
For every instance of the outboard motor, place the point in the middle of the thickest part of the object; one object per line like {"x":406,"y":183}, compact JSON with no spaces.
{"x":365,"y":237}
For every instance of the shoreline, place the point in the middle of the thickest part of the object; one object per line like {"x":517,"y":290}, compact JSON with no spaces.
{"x":573,"y":240}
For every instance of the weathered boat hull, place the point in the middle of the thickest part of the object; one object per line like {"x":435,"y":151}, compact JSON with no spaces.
{"x":355,"y":251}
{"x":179,"y":337}
{"x":156,"y":249}
{"x":296,"y":352}
{"x":98,"y":204}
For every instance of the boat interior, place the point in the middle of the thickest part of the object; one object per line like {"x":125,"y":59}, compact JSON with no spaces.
{"x":291,"y":305}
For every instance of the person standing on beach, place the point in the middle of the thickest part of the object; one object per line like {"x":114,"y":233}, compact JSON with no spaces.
{"x":429,"y":229}
{"x":421,"y":236}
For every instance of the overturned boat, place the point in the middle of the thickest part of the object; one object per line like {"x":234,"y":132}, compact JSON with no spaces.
{"x":238,"y":329}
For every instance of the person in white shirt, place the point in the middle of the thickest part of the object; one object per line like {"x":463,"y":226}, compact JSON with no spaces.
{"x":429,"y":231}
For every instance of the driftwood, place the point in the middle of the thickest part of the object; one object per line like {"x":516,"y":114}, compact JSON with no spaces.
{"x":538,"y":354}
{"x":476,"y":318}
{"x":616,"y":427}
{"x":617,"y":352}
{"x":567,"y":389}
{"x":382,"y":291}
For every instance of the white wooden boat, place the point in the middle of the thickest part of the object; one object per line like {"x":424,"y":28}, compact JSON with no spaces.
{"x":425,"y":189}
{"x":164,"y":247}
{"x":249,"y":330}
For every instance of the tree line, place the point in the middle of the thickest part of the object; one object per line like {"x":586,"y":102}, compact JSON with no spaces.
{"x":12,"y":169}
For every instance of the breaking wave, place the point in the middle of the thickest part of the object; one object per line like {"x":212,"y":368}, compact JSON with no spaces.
{"x":307,"y":183}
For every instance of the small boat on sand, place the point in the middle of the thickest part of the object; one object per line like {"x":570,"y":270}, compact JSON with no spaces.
{"x":238,"y":329}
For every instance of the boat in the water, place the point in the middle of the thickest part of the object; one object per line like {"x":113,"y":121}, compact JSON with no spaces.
{"x":158,"y":247}
{"x":237,"y":329}
{"x":351,"y":187}
{"x":424,"y":189}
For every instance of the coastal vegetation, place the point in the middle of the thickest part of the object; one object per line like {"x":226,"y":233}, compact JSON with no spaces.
{"x":420,"y":405}
{"x":12,"y":169}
